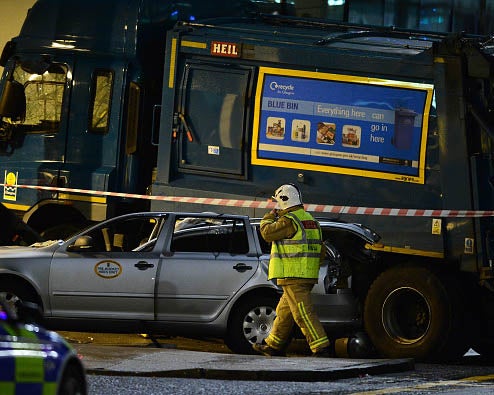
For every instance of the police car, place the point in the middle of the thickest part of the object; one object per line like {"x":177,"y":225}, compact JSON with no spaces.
{"x":36,"y":361}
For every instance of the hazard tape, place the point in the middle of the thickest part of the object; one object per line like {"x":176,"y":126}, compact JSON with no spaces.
{"x":321,"y":208}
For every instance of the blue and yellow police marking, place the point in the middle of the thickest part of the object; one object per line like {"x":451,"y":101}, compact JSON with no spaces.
{"x":26,"y":368}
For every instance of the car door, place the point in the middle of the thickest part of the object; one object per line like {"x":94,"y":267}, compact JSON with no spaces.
{"x":104,"y":274}
{"x":206,"y":264}
{"x":333,"y":296}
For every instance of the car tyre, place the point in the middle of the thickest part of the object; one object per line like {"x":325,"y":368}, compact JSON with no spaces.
{"x":14,"y":293}
{"x":250,"y":322}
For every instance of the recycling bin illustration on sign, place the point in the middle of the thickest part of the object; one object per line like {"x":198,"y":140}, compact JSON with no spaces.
{"x":404,"y":126}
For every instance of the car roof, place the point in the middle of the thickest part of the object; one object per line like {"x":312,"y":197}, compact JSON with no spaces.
{"x":203,"y":214}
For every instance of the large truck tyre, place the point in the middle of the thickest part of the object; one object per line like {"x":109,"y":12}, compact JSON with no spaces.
{"x":62,"y":231}
{"x":485,"y":349}
{"x":14,"y":230}
{"x":412,"y":311}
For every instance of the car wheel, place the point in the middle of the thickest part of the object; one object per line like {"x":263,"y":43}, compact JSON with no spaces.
{"x":73,"y":382}
{"x":13,"y":293}
{"x":250,"y":323}
{"x":412,"y":312}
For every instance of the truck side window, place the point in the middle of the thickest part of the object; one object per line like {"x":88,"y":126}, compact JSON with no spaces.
{"x":44,"y":98}
{"x":213,"y":115}
{"x":134,"y":103}
{"x":99,"y":113}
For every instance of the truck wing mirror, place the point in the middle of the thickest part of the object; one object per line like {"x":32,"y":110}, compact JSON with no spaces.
{"x":8,"y":51}
{"x":13,"y":101}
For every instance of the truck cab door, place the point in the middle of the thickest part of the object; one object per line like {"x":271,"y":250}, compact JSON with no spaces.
{"x":213,"y":118}
{"x":93,"y":136}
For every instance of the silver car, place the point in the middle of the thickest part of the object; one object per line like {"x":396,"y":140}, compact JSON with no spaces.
{"x":192,"y":274}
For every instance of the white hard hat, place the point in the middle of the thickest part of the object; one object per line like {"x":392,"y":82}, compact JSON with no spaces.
{"x":288,"y":195}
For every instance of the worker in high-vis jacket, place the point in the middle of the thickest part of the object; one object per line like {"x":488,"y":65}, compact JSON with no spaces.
{"x":296,"y":255}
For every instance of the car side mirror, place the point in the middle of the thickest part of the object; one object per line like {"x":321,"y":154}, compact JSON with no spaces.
{"x":333,"y":259}
{"x":332,"y":254}
{"x":81,"y":244}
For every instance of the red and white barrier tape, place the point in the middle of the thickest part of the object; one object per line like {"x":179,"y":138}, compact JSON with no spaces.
{"x":322,"y":208}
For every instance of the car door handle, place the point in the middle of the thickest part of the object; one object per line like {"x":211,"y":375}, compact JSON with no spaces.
{"x":242,"y":267}
{"x":143,"y":265}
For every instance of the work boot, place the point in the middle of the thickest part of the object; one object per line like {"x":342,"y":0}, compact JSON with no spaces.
{"x":264,"y":349}
{"x":326,"y":352}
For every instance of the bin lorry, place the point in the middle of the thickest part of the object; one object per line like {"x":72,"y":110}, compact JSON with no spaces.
{"x":388,"y":127}
{"x":392,"y":123}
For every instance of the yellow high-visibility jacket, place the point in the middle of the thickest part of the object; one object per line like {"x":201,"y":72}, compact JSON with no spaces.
{"x":297,"y":256}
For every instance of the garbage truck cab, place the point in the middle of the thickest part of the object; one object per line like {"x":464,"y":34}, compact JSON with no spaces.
{"x":81,"y":93}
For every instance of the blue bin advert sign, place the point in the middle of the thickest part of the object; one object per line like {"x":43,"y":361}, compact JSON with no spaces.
{"x":341,"y":124}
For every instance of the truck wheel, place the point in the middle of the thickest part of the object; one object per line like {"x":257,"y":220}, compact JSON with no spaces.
{"x":410,"y":312}
{"x":485,"y":349}
{"x":61,"y":232}
{"x":250,"y":323}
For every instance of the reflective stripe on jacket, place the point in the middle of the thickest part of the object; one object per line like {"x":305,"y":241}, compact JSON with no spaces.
{"x":299,"y":256}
